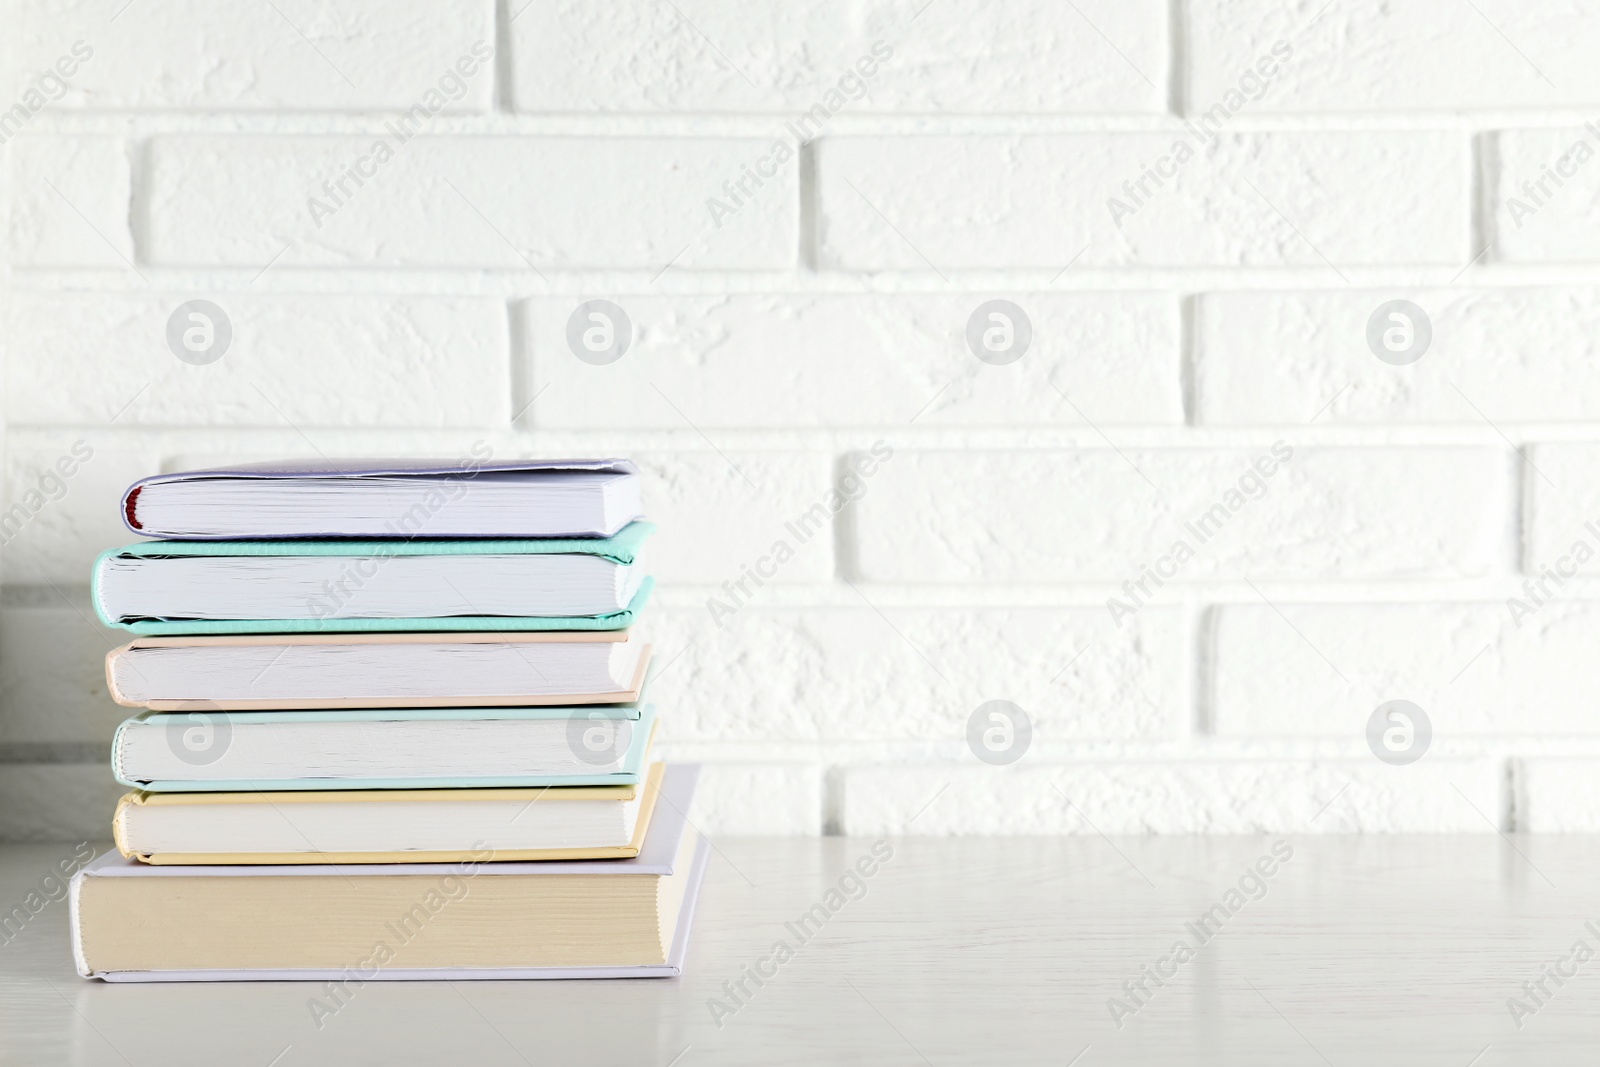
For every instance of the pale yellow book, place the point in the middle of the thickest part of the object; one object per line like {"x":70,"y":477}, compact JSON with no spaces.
{"x":387,"y":825}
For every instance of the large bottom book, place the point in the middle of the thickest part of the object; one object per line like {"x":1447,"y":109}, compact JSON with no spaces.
{"x":627,"y":918}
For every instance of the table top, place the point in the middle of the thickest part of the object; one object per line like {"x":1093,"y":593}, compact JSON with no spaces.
{"x":1086,"y":951}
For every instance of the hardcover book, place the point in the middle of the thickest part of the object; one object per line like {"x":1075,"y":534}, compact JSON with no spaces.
{"x":472,"y":497}
{"x":388,"y":748}
{"x":392,"y":826}
{"x":339,"y":586}
{"x":265,"y":672}
{"x":477,"y":919}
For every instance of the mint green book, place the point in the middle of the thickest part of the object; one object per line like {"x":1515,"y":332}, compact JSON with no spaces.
{"x":341,"y":586}
{"x":388,"y":748}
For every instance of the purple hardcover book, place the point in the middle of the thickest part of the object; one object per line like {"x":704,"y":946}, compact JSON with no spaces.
{"x":476,"y":496}
{"x":132,"y":922}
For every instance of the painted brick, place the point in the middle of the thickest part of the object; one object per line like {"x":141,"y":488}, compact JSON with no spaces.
{"x":849,"y":673}
{"x":1377,"y":56}
{"x":1545,"y":197}
{"x":65,"y":522}
{"x":1474,"y":669}
{"x":755,"y":360}
{"x":305,"y":359}
{"x":1507,"y":355}
{"x":1044,"y":201}
{"x":290,"y":55}
{"x":181,"y":158}
{"x":1194,"y":796}
{"x":964,"y":56}
{"x":718,"y":513}
{"x":70,"y":202}
{"x":1051,"y":516}
{"x":482,"y":202}
{"x":1563,"y":500}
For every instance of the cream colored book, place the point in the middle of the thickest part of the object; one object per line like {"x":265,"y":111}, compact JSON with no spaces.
{"x":479,"y":918}
{"x":265,"y":672}
{"x":386,"y":825}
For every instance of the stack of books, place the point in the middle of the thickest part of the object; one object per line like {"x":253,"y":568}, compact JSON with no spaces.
{"x":393,"y":729}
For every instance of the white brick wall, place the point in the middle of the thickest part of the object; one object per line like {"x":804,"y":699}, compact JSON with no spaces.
{"x":1406,"y":55}
{"x":733,"y":361}
{"x":1198,"y":530}
{"x":965,"y":56}
{"x":469,"y":202}
{"x":987,"y":202}
{"x":346,"y":360}
{"x":1323,"y":513}
{"x":1532,"y":354}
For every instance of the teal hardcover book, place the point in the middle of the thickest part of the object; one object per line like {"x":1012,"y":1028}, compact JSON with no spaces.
{"x":348,"y":568}
{"x":438,"y":748}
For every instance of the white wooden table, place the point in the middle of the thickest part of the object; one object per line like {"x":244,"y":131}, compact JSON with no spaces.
{"x":1007,"y":951}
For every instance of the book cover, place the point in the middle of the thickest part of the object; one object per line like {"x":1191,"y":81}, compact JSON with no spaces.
{"x":622,"y":548}
{"x":630,"y":773}
{"x":622,"y":696}
{"x":360,"y":468}
{"x":542,"y":795}
{"x":661,"y":854}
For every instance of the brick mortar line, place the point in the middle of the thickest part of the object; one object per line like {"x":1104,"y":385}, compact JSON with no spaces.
{"x":522,"y":284}
{"x":267,"y":122}
{"x":823,"y":442}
